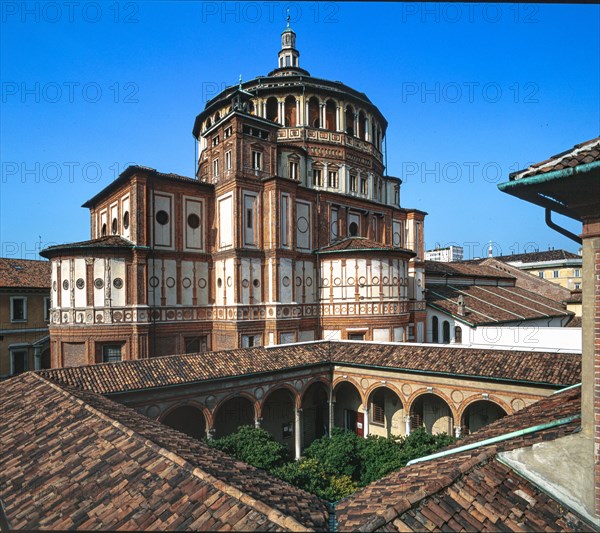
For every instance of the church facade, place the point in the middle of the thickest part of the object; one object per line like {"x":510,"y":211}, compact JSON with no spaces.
{"x":290,"y":231}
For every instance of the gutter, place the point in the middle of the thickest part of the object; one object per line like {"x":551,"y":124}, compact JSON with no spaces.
{"x":548,"y":176}
{"x":494,"y":440}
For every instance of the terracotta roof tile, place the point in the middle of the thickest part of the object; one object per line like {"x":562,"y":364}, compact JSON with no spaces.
{"x":464,"y":269}
{"x":24,"y":273}
{"x":586,"y":152}
{"x":492,"y":304}
{"x":535,"y":257}
{"x":361,"y":244}
{"x":108,"y":242}
{"x":92,"y":463}
{"x":551,"y":368}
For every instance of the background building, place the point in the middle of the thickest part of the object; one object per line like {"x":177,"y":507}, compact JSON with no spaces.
{"x":445,"y":255}
{"x":557,"y":266}
{"x":291,"y":231}
{"x":24,"y":315}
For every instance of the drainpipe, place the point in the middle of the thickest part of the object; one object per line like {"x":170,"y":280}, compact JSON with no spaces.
{"x":560,"y":229}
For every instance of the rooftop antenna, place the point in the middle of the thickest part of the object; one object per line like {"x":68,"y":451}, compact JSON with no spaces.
{"x":490,"y":250}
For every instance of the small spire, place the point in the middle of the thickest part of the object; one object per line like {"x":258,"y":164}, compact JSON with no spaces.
{"x":288,"y":17}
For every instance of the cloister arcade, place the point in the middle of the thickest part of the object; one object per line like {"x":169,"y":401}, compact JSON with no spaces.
{"x":296,"y":412}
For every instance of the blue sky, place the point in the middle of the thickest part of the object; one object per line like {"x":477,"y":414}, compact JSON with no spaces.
{"x":471,"y":93}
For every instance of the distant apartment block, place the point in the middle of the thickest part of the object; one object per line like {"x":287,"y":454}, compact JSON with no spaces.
{"x":445,"y":255}
{"x":558,"y":266}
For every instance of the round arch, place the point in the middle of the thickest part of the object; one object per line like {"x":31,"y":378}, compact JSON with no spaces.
{"x":314,"y":108}
{"x":338,"y":381}
{"x":480,"y":412}
{"x":314,"y":403}
{"x":386,"y":411}
{"x":349,"y":119}
{"x":232,"y":412}
{"x":330,"y":114}
{"x":277,"y":414}
{"x":348,"y":406}
{"x":187,"y":418}
{"x":431,"y":410}
{"x":272,"y":108}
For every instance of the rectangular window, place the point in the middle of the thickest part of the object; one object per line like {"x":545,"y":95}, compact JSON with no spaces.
{"x":111,"y":353}
{"x":250,"y":209}
{"x":228,"y":161}
{"x":411,"y":333}
{"x":332,"y":179}
{"x":577,"y":286}
{"x":18,"y":361}
{"x":196,"y":344}
{"x":353,"y":184}
{"x":248,"y":341}
{"x":317,"y":177}
{"x":228,"y":133}
{"x":215,"y":168}
{"x":356,"y":336}
{"x":47,"y":306}
{"x":293,"y":170}
{"x":541,"y":274}
{"x":577,"y":273}
{"x":256,"y":160}
{"x":555,"y":273}
{"x":363,"y":186}
{"x":215,"y":140}
{"x":18,"y":309}
{"x":378,"y":408}
{"x":249,"y":219}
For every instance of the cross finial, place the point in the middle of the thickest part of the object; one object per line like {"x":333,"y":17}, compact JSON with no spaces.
{"x":288,"y":17}
{"x":240,"y":81}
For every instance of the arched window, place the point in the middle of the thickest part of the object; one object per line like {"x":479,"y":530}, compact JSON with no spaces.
{"x":362,"y":122}
{"x":272,"y":109}
{"x":313,"y":112}
{"x":435,"y":329}
{"x":446,"y":332}
{"x":458,"y":335}
{"x":349,"y":120}
{"x":330,"y":110}
{"x":290,"y":111}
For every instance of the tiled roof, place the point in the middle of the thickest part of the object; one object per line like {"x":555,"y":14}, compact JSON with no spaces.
{"x":72,"y":459}
{"x":586,"y":152}
{"x":538,"y":367}
{"x":536,"y":257}
{"x":576,"y":297}
{"x":108,"y":242}
{"x":464,"y":269}
{"x":470,"y":490}
{"x":361,"y":243}
{"x":492,"y":304}
{"x":24,"y":273}
{"x":575,"y":322}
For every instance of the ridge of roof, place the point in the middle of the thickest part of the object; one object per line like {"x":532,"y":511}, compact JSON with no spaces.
{"x":355,"y":244}
{"x":465,"y":269}
{"x":106,"y":242}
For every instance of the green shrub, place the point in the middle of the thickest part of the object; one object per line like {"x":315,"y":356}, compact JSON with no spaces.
{"x":339,"y":453}
{"x":254,"y":446}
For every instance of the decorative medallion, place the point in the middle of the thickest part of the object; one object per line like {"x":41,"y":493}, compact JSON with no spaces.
{"x":170,"y":282}
{"x":118,"y":283}
{"x":54,"y":285}
{"x":337,"y":282}
{"x":457,"y":396}
{"x":517,"y":404}
{"x":325,"y":282}
{"x":80,"y":283}
{"x":245,"y":283}
{"x":229,"y":281}
{"x":350,"y":280}
{"x":162,"y":217}
{"x":362,"y":280}
{"x":154,"y":281}
{"x":298,"y":281}
{"x":202,"y":283}
{"x":259,"y":393}
{"x":186,"y":283}
{"x":285,"y":281}
{"x":375,"y":280}
{"x":256,"y":283}
{"x":364,"y":383}
{"x":193,"y":221}
{"x":153,"y":411}
{"x":406,"y":389}
{"x":66,"y":285}
{"x":302,"y":224}
{"x":308,"y":282}
{"x":385,"y":280}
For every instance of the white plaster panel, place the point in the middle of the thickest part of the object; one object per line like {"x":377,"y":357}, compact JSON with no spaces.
{"x":171,"y":281}
{"x":65,"y":276}
{"x":398,"y":334}
{"x":332,"y":334}
{"x":99,"y":275}
{"x":250,"y":219}
{"x":286,"y":279}
{"x":381,"y":334}
{"x":225,"y":204}
{"x":397,"y":233}
{"x":103,"y":221}
{"x":154,"y":281}
{"x":117,"y":269}
{"x":114,"y":215}
{"x":163,"y":233}
{"x":303,"y":225}
{"x":54,"y":283}
{"x":193,"y":236}
{"x":202,"y":282}
{"x":80,"y":294}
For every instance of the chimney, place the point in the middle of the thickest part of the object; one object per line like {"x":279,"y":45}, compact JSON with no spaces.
{"x":461,"y":305}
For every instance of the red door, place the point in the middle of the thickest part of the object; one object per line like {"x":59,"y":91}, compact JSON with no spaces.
{"x":359,"y":428}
